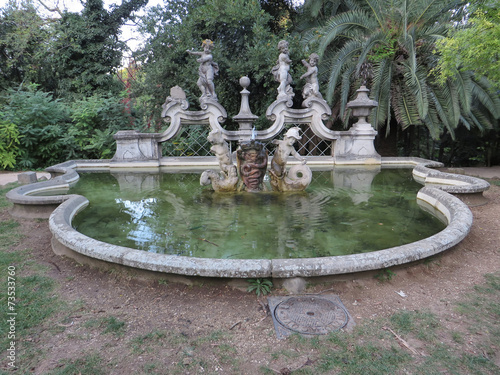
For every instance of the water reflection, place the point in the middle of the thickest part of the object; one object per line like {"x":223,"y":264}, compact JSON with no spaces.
{"x":341,"y":212}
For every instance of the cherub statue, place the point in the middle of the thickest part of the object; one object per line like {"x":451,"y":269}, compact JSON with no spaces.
{"x":207,"y":70}
{"x":227,"y":179}
{"x":284,"y":149}
{"x":299,"y":176}
{"x":311,"y":88}
{"x":221,"y":149}
{"x":280,"y":71}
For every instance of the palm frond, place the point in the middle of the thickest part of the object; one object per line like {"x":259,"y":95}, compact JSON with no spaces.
{"x":433,"y":123}
{"x":463,"y":82}
{"x":377,"y":38}
{"x":481,"y":121}
{"x":439,"y":105}
{"x":404,"y":107}
{"x":415,"y":78}
{"x":377,"y":12}
{"x":345,"y":88}
{"x":381,"y":92}
{"x":340,"y":61}
{"x":454,"y":110}
{"x":339,"y":24}
{"x":482,"y":92}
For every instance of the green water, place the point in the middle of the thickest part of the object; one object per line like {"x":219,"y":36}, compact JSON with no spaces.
{"x":171,"y":213}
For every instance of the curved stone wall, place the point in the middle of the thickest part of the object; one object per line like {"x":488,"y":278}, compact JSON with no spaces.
{"x":436,"y":194}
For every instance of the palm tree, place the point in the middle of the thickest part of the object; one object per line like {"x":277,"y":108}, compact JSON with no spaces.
{"x":396,"y":39}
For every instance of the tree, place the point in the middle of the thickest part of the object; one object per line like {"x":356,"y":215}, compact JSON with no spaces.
{"x":473,"y":45}
{"x":389,"y":44}
{"x":24,"y":36}
{"x":87,"y":50}
{"x":283,"y":14}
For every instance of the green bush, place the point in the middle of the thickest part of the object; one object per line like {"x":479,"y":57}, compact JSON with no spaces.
{"x":41,"y":122}
{"x":94,"y":121}
{"x":9,"y":143}
{"x":37,"y":131}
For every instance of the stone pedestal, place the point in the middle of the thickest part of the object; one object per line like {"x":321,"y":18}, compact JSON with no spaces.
{"x":356,"y":145}
{"x":27,"y":178}
{"x":134,"y":146}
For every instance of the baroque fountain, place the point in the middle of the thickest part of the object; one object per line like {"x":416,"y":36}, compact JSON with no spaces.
{"x":243,"y":177}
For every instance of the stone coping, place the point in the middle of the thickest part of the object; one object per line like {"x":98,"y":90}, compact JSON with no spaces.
{"x":436,"y":195}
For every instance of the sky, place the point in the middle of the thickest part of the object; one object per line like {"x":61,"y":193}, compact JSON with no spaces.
{"x":128,"y":31}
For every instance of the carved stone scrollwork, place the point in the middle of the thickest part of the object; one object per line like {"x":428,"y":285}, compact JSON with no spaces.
{"x":175,"y":111}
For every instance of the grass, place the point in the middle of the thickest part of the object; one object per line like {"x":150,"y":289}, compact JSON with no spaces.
{"x":33,"y":291}
{"x":107,"y":324}
{"x":372,"y":347}
{"x":91,"y":364}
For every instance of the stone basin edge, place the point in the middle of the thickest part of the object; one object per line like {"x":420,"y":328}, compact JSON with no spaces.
{"x":435,"y":194}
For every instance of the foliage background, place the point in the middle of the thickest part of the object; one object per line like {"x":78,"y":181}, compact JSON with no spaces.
{"x":64,"y":89}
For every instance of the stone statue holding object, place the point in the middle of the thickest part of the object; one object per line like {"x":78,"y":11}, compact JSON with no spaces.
{"x":299,"y":176}
{"x":311,"y":88}
{"x":281,"y":74}
{"x":227,"y":179}
{"x":207,"y":71}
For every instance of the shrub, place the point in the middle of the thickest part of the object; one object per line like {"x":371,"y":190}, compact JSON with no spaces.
{"x":41,"y":122}
{"x":94,"y":121}
{"x":9,"y":144}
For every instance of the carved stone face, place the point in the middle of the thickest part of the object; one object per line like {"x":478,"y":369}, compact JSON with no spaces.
{"x":252,"y":164}
{"x":290,"y":141}
{"x":251,"y":156}
{"x":215,"y":137}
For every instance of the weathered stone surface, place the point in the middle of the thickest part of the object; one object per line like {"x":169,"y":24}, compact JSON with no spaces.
{"x":133,"y":146}
{"x":27,"y":178}
{"x":295,"y":285}
{"x":455,"y":212}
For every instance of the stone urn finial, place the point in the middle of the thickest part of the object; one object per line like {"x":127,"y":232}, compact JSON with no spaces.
{"x":362,"y":106}
{"x":245,"y":118}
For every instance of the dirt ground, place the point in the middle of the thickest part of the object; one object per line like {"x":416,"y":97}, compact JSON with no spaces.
{"x":196,"y":310}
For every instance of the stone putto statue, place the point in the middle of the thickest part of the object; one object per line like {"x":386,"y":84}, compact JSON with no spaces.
{"x":299,"y":176}
{"x":280,"y":71}
{"x":207,"y":70}
{"x":311,"y":88}
{"x":227,"y":179}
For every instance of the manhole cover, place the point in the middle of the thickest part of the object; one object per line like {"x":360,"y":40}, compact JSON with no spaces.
{"x":309,"y":315}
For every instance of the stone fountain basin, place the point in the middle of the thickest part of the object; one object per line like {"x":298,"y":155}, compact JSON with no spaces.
{"x":435,"y":196}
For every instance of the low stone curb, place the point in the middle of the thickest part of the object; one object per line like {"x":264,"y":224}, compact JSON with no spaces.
{"x":68,"y":241}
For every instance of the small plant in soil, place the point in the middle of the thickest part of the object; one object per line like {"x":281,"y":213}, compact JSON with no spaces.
{"x":385,"y":275}
{"x":260,"y":286}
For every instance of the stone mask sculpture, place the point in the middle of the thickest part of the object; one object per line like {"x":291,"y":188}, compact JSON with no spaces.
{"x":252,"y":165}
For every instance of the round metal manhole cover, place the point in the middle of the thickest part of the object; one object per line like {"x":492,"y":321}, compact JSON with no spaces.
{"x":311,"y":315}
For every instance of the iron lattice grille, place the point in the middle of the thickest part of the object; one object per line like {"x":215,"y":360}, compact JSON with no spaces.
{"x":192,"y":141}
{"x":309,"y":145}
